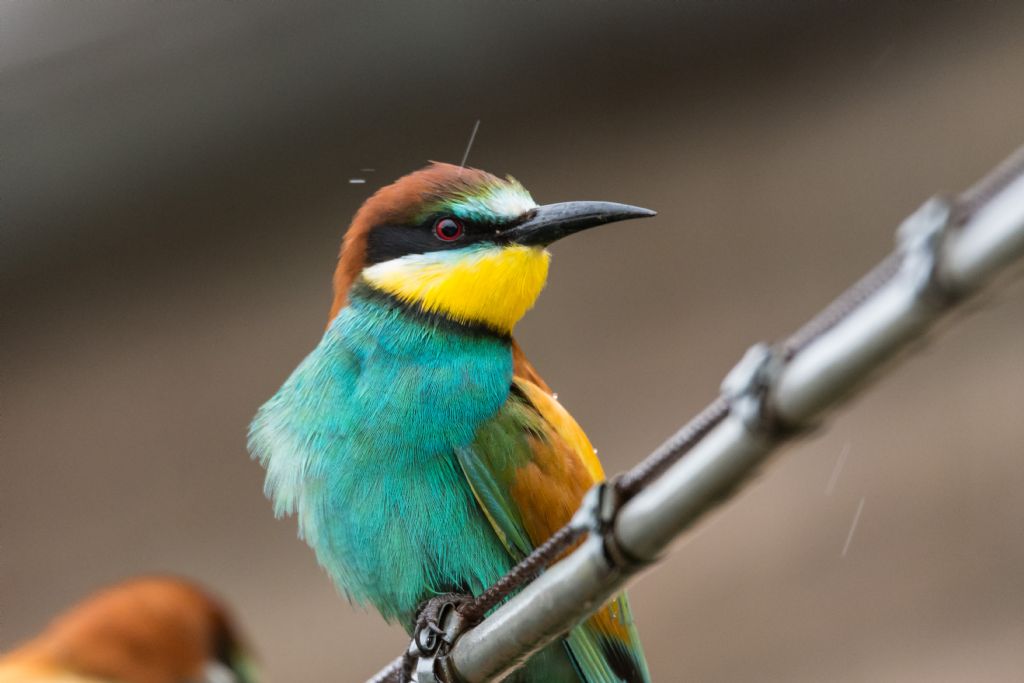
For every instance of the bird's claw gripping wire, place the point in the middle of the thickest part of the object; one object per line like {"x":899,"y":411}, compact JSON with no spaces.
{"x":439,"y":621}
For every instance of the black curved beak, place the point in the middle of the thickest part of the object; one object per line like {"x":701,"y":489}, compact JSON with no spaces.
{"x":552,"y":222}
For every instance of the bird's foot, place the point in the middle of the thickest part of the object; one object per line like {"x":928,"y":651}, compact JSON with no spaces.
{"x":438,"y":621}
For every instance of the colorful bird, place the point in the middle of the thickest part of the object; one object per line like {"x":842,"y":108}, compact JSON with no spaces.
{"x":418,"y":447}
{"x":152,"y":630}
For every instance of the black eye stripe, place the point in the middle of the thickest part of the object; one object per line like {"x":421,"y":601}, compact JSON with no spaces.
{"x":394,"y":240}
{"x":386,"y":242}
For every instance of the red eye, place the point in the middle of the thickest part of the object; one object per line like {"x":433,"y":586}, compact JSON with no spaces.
{"x":448,"y":229}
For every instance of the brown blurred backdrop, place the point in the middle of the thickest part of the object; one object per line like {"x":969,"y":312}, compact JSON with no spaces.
{"x":175,"y":184}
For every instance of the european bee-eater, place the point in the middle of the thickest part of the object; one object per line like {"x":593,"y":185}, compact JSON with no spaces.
{"x":155,"y":630}
{"x":419,"y":449}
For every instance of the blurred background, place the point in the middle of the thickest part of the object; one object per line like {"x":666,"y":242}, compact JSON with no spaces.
{"x":176,"y":179}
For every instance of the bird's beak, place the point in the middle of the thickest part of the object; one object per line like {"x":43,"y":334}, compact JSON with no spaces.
{"x":552,"y":222}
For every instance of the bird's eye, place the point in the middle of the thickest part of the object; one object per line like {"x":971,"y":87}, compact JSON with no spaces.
{"x":448,"y":229}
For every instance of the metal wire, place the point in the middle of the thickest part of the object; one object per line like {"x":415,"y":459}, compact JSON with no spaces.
{"x":692,"y":432}
{"x":390,"y":673}
{"x":525,"y":571}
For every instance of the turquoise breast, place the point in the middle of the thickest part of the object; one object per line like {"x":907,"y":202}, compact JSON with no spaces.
{"x":359,"y":443}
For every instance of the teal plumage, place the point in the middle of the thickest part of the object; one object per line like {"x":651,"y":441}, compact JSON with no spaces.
{"x":368,"y":424}
{"x":418,"y":450}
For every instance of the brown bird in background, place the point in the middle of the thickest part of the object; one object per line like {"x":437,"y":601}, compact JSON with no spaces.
{"x":149,"y":630}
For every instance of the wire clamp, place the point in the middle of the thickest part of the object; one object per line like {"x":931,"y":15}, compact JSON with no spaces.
{"x":921,"y":238}
{"x":596,"y":515}
{"x":748,"y":385}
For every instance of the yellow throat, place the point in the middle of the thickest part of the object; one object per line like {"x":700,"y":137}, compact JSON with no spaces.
{"x":491,"y":285}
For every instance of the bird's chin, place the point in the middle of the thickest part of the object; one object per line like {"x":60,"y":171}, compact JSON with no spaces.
{"x":492,"y":286}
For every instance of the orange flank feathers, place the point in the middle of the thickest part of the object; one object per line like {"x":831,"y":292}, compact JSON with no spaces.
{"x":545,"y":492}
{"x":549,"y":489}
{"x":152,"y":630}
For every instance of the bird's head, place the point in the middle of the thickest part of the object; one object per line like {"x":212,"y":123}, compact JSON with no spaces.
{"x":461,"y":243}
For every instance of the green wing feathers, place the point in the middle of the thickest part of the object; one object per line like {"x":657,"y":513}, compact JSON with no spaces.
{"x":529,"y":467}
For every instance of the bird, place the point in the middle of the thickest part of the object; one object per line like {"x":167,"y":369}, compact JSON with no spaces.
{"x":418,"y":448}
{"x":142,"y":630}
